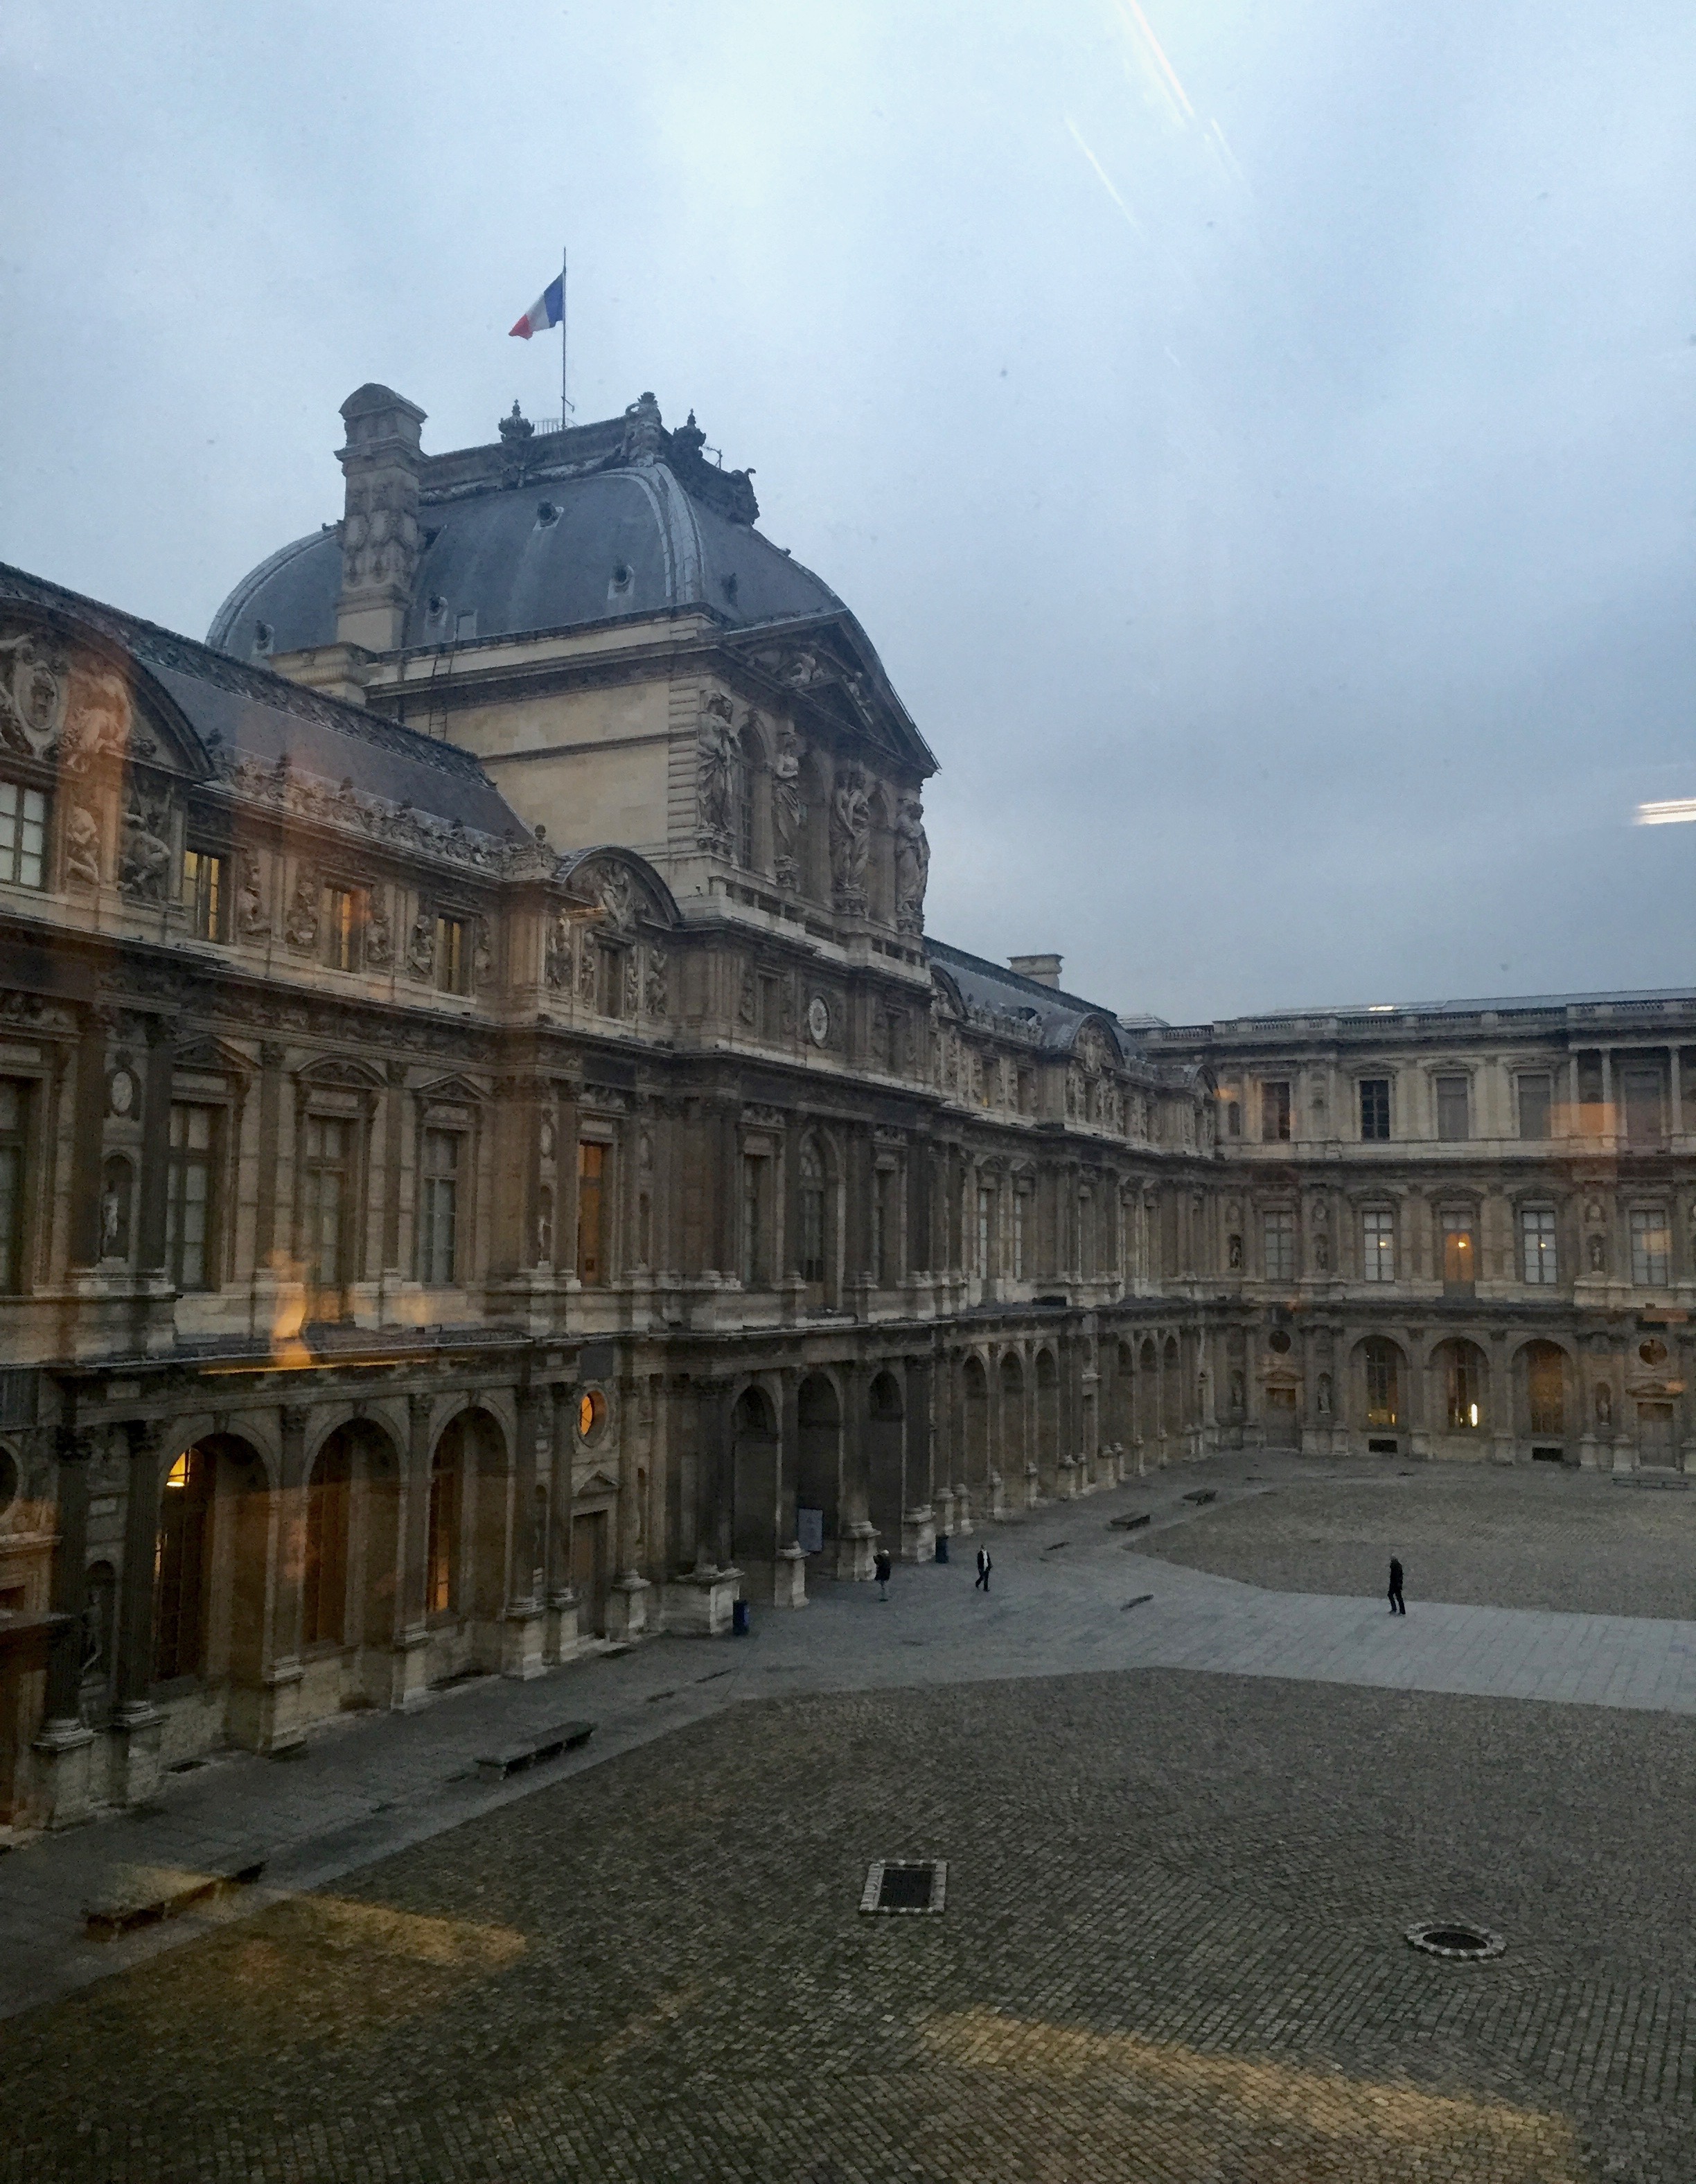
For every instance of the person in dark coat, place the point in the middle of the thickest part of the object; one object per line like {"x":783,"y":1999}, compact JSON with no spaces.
{"x":881,"y":1568}
{"x":1398,"y":1605}
{"x":985,"y":1566}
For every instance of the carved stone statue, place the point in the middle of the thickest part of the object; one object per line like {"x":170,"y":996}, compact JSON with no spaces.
{"x":251,"y":921}
{"x":1235,"y":1253}
{"x":1604,"y":1404}
{"x":483,"y":956}
{"x":850,"y":838}
{"x":1321,"y":1255}
{"x":300,"y":928}
{"x":32,"y":694}
{"x":715,"y":763}
{"x":1598,"y":1255}
{"x":747,"y":1001}
{"x":379,"y":932}
{"x":421,"y":946}
{"x":643,"y":433}
{"x":657,"y":997}
{"x":1323,"y":1404}
{"x":558,"y":959}
{"x":144,"y":861}
{"x":618,"y":897}
{"x":82,"y":847}
{"x":912,"y":864}
{"x":788,"y":810}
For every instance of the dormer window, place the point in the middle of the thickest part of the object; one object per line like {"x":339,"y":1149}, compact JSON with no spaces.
{"x":264,"y":637}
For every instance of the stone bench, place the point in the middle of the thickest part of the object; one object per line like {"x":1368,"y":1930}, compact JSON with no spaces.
{"x":144,"y":1895}
{"x":530,"y":1752}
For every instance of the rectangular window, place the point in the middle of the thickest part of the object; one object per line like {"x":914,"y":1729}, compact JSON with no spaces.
{"x":811,"y":1215}
{"x":986,"y":1199}
{"x":1374,"y":1108}
{"x":887,"y":1241}
{"x":1233,"y":1118}
{"x":1019,"y":1198}
{"x":23,"y":835}
{"x":452,"y":960}
{"x":610,"y":981}
{"x":1275,"y":1112}
{"x":1278,"y":1244}
{"x":771,"y":1008}
{"x":327,"y":1201}
{"x":1537,"y":1246}
{"x":1459,"y":1257}
{"x":188,"y":1209}
{"x":1651,"y":1247}
{"x":1534,"y":1104}
{"x":753,"y":1220}
{"x":1378,"y":1245}
{"x":344,"y":921}
{"x":592,"y":1181}
{"x":15,"y":1108}
{"x":205,"y":894}
{"x":439,"y":1210}
{"x":1640,"y":1090}
{"x":1454,"y":1108}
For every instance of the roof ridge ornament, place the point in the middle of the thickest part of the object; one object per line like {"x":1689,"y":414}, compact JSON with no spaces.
{"x":517,"y":426}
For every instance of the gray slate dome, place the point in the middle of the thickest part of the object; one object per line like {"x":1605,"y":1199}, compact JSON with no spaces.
{"x":620,"y":519}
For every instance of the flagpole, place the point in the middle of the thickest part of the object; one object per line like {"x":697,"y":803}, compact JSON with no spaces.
{"x":565,"y":404}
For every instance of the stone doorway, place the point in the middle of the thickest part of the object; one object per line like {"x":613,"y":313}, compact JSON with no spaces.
{"x":591,"y":1568}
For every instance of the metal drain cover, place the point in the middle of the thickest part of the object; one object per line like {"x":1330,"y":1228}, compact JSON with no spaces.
{"x":1456,"y":1939}
{"x":905,"y":1884}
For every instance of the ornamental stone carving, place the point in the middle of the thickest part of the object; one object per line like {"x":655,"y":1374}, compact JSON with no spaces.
{"x":300,"y":926}
{"x":380,"y":535}
{"x":557,"y":966}
{"x":586,"y":962}
{"x":421,"y":947}
{"x":644,"y":434}
{"x":82,"y":847}
{"x":483,"y":954}
{"x":656,"y":997}
{"x":747,"y":1002}
{"x":144,"y":858}
{"x":788,"y":810}
{"x":851,"y":839}
{"x":379,"y":932}
{"x":912,"y":864}
{"x":619,"y":899}
{"x":714,"y":765}
{"x":252,"y":922}
{"x":33,"y":687}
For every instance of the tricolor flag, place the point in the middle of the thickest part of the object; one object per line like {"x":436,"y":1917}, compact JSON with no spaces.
{"x":548,"y":309}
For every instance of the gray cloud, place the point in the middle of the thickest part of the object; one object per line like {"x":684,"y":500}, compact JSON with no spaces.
{"x":1267,"y":472}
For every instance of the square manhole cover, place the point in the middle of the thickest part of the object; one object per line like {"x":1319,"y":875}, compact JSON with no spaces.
{"x":905,"y":1884}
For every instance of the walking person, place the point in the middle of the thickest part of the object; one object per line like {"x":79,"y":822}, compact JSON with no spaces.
{"x":985,"y":1566}
{"x":1398,"y":1605}
{"x":881,"y":1568}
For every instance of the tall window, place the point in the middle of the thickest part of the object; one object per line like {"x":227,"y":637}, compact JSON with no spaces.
{"x":1651,"y":1247}
{"x":1378,"y":1245}
{"x":23,"y":835}
{"x":326,"y":1604}
{"x":190,"y":1250}
{"x":180,"y":1567}
{"x":886,"y":1213}
{"x":439,"y":1215}
{"x":1453,"y":1108}
{"x":812,"y":1213}
{"x":1383,"y":1382}
{"x":753,"y":1220}
{"x":1275,"y":1111}
{"x":1537,"y":1246}
{"x":344,"y":919}
{"x":1278,"y":1238}
{"x":1375,"y":1107}
{"x":453,"y":955}
{"x":986,"y":1199}
{"x":591,"y":1178}
{"x":1534,"y":1104}
{"x":747,"y":772}
{"x":611,"y":980}
{"x":327,"y":1201}
{"x":1021,"y":1199}
{"x":205,"y":894}
{"x":14,"y":1108}
{"x":1465,"y":1389}
{"x":1459,"y":1256}
{"x":441,"y":1553}
{"x":1641,"y":1090}
{"x":1233,"y":1118}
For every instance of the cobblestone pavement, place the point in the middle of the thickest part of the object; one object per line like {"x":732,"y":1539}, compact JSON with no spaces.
{"x":1173,"y":1942}
{"x":1172,"y":1949}
{"x":1535,"y":1535}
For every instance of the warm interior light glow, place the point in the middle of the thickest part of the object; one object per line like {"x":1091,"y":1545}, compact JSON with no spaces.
{"x":1472,"y":1414}
{"x":178,"y":1473}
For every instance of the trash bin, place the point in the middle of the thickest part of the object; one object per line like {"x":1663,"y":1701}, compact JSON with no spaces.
{"x":942,"y":1546}
{"x":739,"y":1619}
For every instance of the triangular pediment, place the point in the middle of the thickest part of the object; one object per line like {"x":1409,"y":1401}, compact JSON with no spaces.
{"x":825,"y":666}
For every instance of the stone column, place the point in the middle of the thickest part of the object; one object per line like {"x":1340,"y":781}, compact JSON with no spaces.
{"x":63,"y":1749}
{"x":628,"y":1603}
{"x":394,"y":1146}
{"x":279,"y":1728}
{"x":137,"y":1725}
{"x":155,"y":1184}
{"x":88,"y":1121}
{"x":918,"y":1524}
{"x":522,"y":1633}
{"x":566,"y":1181}
{"x":412,"y":1627}
{"x":561,"y":1642}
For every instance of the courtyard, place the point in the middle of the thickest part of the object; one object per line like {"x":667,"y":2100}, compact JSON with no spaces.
{"x":1192,"y":1784}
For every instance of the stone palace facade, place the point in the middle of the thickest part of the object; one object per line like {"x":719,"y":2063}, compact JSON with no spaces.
{"x":491,"y":1161}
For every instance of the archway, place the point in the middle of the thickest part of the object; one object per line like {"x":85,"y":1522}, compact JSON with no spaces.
{"x":1460,"y":1381}
{"x":1171,"y":1391}
{"x":1048,"y":1420}
{"x":818,"y":1457}
{"x":974,"y":1398}
{"x":1381,"y":1367}
{"x":754,"y":1474}
{"x":1013,"y":1437}
{"x":350,"y":1581}
{"x":1542,"y":1368}
{"x":885,"y":1459}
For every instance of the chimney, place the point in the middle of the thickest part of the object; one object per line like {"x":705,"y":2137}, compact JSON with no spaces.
{"x":380,"y":463}
{"x":1040,"y":970}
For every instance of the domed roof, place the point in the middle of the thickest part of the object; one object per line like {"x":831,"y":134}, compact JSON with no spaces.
{"x":541,"y":533}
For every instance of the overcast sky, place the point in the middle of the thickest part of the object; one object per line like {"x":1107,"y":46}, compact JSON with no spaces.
{"x":1256,"y":433}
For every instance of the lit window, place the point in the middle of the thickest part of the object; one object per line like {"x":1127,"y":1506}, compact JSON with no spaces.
{"x":205,"y":894}
{"x":1651,"y":1247}
{"x":1378,"y":1245}
{"x":1537,"y":1246}
{"x":453,"y":959}
{"x":23,"y":835}
{"x":591,"y":1414}
{"x":343,"y":922}
{"x":592,"y":1181}
{"x":1374,"y":1108}
{"x":1457,"y":1255}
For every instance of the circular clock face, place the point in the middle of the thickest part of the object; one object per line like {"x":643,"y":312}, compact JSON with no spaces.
{"x":819,"y":1020}
{"x":122,"y":1091}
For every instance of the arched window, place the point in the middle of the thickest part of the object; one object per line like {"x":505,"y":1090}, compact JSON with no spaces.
{"x":179,"y":1625}
{"x":1383,"y":1362}
{"x":811,"y":1212}
{"x":442,"y":1550}
{"x":326,"y":1607}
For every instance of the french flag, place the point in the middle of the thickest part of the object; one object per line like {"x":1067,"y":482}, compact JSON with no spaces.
{"x":548,"y":309}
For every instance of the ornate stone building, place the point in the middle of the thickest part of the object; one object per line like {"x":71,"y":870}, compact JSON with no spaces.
{"x":491,"y":1162}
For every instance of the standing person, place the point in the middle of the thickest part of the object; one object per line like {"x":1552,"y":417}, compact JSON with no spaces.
{"x":881,"y":1568}
{"x":985,"y":1566}
{"x":1398,"y":1605}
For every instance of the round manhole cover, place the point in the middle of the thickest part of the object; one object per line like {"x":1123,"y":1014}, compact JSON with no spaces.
{"x":1456,"y":1939}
